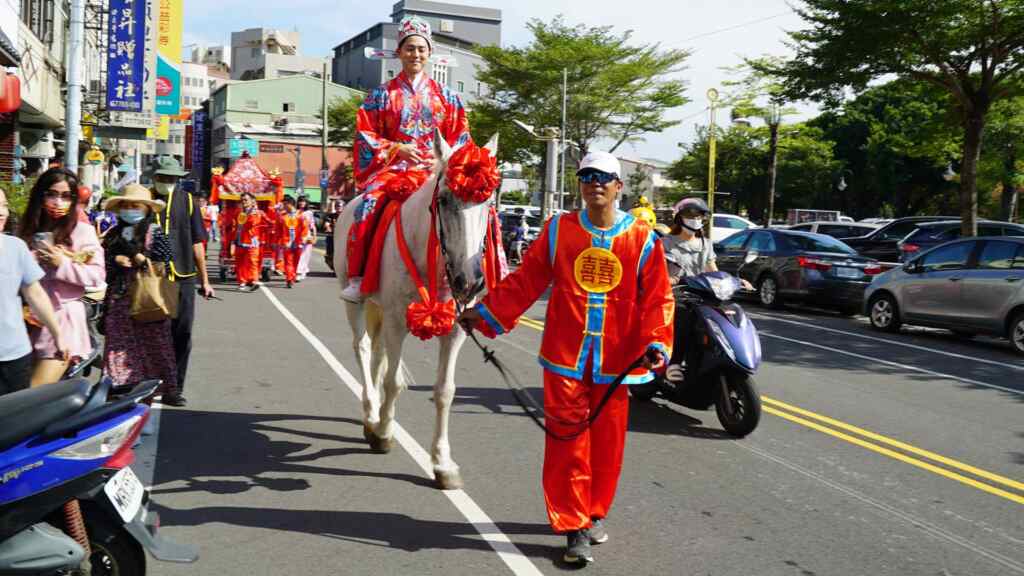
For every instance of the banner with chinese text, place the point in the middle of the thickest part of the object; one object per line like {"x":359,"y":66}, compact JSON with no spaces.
{"x":169,"y":23}
{"x":126,"y":55}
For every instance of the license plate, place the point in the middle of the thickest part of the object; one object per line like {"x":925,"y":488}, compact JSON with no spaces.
{"x":848,"y":272}
{"x":125,"y":492}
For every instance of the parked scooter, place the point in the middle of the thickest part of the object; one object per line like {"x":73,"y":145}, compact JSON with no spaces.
{"x":65,"y":442}
{"x":724,"y":352}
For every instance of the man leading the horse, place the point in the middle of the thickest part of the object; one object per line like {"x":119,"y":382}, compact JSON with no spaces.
{"x":610,"y":303}
{"x":395,"y":133}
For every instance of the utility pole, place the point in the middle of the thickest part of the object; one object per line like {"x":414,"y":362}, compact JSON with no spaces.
{"x":73,"y":109}
{"x":565,"y":99}
{"x":325,"y":169}
{"x":551,"y":180}
{"x":300,"y":177}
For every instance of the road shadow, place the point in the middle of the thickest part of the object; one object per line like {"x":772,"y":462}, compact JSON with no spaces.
{"x":661,"y":417}
{"x":652,"y":417}
{"x":378,"y":529}
{"x":244,"y":454}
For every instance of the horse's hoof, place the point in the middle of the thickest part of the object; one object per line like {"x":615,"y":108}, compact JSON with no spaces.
{"x":379,"y":445}
{"x":448,"y":479}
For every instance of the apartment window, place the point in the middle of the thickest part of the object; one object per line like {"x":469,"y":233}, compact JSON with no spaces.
{"x":462,"y":86}
{"x":38,"y":16}
{"x":440,"y":74}
{"x":289,"y":107}
{"x":391,"y":74}
{"x":447,"y":26}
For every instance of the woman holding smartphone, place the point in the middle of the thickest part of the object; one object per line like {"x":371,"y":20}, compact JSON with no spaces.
{"x":72,"y":258}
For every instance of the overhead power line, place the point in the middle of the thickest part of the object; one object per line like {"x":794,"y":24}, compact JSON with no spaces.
{"x":730,"y":28}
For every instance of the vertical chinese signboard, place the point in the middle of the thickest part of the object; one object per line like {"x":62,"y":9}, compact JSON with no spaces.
{"x":126,"y":58}
{"x":169,"y":25}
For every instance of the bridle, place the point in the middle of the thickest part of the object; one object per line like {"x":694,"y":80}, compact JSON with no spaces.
{"x":435,"y":208}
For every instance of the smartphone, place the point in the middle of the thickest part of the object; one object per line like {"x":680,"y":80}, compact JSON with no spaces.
{"x":42,"y":238}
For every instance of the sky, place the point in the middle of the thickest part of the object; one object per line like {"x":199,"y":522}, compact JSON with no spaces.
{"x":720,"y":33}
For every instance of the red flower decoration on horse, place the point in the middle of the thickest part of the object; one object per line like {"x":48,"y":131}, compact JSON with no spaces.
{"x":472,"y":174}
{"x":400,"y":185}
{"x":430,"y":318}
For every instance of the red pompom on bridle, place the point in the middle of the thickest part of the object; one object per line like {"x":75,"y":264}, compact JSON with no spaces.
{"x":472,"y":174}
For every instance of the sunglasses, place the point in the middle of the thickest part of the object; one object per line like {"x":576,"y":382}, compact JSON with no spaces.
{"x":601,"y":178}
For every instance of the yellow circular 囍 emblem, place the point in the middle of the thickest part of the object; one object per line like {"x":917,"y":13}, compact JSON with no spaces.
{"x":242,"y":217}
{"x":598,"y":270}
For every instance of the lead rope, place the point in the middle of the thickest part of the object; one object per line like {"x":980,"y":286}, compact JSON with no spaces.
{"x":522,"y":397}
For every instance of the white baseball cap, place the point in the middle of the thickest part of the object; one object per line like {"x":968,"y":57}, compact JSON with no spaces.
{"x":603,"y":161}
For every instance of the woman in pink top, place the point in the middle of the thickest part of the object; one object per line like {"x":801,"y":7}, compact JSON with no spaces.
{"x":72,"y":258}
{"x":309,"y":240}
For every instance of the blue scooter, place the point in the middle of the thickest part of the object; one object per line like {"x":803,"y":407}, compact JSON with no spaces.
{"x":65,"y":442}
{"x":723,"y":353}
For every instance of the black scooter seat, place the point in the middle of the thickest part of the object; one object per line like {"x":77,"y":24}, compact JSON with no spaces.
{"x":28,"y":412}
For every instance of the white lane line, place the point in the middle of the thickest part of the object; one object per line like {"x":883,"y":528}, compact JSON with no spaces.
{"x":517,"y":562}
{"x":895,"y":364}
{"x":913,"y":521}
{"x":887,"y":341}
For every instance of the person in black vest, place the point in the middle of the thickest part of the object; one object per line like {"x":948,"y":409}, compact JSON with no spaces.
{"x":182,"y":221}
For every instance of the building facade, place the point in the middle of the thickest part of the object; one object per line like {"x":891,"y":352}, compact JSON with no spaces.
{"x":281,"y":115}
{"x":457,"y":30}
{"x":264,"y":53}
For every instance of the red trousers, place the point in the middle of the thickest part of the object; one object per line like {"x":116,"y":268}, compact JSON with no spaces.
{"x":291,"y":256}
{"x":247,"y":265}
{"x":360,"y":234}
{"x":580,"y":475}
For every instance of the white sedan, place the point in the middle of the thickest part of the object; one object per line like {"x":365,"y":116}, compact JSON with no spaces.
{"x":725,"y":225}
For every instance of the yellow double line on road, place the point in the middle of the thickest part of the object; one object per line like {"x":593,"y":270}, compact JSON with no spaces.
{"x":884,"y":445}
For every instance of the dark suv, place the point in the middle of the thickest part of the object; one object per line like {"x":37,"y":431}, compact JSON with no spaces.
{"x":931,"y":234}
{"x":882,"y":244}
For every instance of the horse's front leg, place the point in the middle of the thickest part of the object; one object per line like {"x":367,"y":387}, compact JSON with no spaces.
{"x":446,"y":471}
{"x":382,"y":439}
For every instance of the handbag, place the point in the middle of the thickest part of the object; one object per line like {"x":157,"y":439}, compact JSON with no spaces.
{"x":153,"y":296}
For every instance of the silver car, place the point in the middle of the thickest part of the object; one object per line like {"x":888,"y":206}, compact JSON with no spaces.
{"x":971,"y":286}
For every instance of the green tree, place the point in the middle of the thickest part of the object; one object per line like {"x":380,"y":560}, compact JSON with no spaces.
{"x":341,"y":118}
{"x":893,"y":143}
{"x":616,"y":89}
{"x":972,"y":49}
{"x":1002,"y":165}
{"x":762,"y":96}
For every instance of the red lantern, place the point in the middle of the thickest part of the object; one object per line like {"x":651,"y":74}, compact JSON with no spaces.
{"x":10,"y":94}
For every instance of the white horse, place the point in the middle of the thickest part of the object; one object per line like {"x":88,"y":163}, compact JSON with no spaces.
{"x":378,"y":324}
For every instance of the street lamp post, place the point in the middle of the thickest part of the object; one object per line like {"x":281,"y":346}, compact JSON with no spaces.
{"x":713,"y":99}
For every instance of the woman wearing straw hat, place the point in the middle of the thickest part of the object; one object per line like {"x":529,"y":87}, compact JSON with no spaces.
{"x":135,"y":351}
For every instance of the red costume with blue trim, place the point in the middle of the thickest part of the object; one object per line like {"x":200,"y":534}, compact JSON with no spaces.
{"x":394,"y":114}
{"x":610,"y":302}
{"x":290,"y":237}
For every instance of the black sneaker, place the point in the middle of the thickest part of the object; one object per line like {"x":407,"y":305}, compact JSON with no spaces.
{"x":176,"y":400}
{"x":577,"y":547}
{"x":598,"y":535}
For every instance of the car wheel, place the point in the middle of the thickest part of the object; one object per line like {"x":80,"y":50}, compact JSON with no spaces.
{"x":885,"y":314}
{"x":768,"y":292}
{"x":1016,"y":333}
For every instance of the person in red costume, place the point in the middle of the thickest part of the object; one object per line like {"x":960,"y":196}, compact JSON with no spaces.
{"x":249,"y":226}
{"x":395,"y":132}
{"x":610,"y":303}
{"x":291,"y":238}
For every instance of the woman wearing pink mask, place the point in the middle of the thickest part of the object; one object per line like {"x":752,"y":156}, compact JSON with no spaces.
{"x":72,"y":258}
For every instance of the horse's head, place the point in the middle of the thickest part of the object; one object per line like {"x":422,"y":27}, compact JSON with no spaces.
{"x":463,"y":211}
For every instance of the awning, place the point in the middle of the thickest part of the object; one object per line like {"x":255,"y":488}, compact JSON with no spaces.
{"x":311,"y":193}
{"x":8,"y":52}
